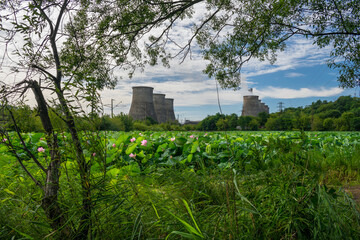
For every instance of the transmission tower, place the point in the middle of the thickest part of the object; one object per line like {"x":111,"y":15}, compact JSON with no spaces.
{"x":280,"y":106}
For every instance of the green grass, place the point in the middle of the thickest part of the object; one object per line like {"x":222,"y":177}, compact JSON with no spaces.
{"x":252,"y":185}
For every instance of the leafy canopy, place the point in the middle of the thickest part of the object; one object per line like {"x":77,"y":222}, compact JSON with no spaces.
{"x":231,"y":32}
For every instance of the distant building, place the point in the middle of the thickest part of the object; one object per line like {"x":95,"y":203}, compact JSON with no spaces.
{"x":146,"y":104}
{"x":189,"y":122}
{"x":252,"y":106}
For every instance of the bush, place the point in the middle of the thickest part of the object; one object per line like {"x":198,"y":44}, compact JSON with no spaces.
{"x":140,"y":126}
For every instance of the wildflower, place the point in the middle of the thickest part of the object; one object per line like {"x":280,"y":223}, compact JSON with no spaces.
{"x":114,"y":145}
{"x":143,"y":142}
{"x":133,"y":139}
{"x":205,"y":134}
{"x":41,"y":149}
{"x":132,"y":155}
{"x":191,"y":136}
{"x":172,"y":139}
{"x":94,"y":154}
{"x":41,"y":139}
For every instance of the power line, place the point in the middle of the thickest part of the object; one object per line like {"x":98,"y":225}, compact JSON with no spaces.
{"x":112,"y":106}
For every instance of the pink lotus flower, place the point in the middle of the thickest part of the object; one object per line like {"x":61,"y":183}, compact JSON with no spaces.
{"x":205,"y":134}
{"x":132,"y":155}
{"x":140,"y":134}
{"x":133,"y":139}
{"x":143,"y":142}
{"x":41,"y":139}
{"x":191,"y":136}
{"x":114,"y":145}
{"x":172,"y":139}
{"x":41,"y":149}
{"x":5,"y":139}
{"x":94,"y":154}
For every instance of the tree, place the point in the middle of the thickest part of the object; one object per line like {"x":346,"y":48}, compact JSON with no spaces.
{"x":222,"y":124}
{"x":68,"y":50}
{"x":244,"y":122}
{"x":232,"y":32}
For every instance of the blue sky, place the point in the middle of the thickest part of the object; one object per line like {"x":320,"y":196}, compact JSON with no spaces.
{"x":298,"y":78}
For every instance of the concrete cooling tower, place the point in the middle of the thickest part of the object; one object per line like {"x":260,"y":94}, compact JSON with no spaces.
{"x":159,"y":104}
{"x":169,"y":108}
{"x":142,"y":105}
{"x":252,"y":106}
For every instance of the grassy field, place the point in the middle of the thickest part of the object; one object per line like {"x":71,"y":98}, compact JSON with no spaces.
{"x":182,"y":185}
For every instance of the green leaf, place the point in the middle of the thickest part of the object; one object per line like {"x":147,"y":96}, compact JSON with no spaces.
{"x":180,"y":141}
{"x":162,"y":147}
{"x":113,"y":172}
{"x":194,"y":147}
{"x":9,"y":191}
{"x":189,"y":157}
{"x":131,"y":148}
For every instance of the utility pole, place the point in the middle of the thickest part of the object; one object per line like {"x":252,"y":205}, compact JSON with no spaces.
{"x":112,"y":108}
{"x":280,"y":106}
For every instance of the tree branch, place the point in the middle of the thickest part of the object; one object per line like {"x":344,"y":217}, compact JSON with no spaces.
{"x":23,"y":143}
{"x":44,"y":71}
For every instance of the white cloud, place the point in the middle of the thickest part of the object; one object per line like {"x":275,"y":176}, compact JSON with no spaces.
{"x":190,"y":87}
{"x":288,"y":93}
{"x":294,"y":75}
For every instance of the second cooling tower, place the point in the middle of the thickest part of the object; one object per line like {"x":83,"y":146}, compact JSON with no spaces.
{"x":142,"y":105}
{"x":159,"y":104}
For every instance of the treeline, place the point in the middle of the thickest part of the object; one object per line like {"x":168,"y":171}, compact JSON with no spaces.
{"x":27,"y":120}
{"x":340,"y":115}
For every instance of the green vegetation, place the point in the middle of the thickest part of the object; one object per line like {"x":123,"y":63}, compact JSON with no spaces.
{"x":197,"y":185}
{"x":74,"y":182}
{"x":340,"y":115}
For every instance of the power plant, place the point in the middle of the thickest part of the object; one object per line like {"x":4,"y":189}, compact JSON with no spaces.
{"x":142,"y":105}
{"x":160,"y":109}
{"x":252,"y":106}
{"x":147,"y":104}
{"x":169,"y":108}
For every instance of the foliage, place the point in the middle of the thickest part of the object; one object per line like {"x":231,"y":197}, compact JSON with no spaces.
{"x":68,"y":50}
{"x":231,"y":33}
{"x":340,"y":115}
{"x":257,"y":185}
{"x":261,"y":28}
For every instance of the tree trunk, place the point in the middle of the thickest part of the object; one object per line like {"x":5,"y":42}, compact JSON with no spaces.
{"x":84,"y":170}
{"x":50,"y":202}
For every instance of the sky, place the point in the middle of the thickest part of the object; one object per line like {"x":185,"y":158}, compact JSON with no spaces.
{"x":299,"y":77}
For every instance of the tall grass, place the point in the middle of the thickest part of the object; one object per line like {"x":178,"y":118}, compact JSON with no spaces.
{"x":274,"y":188}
